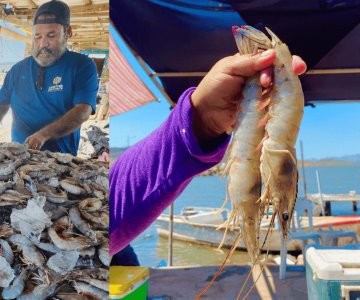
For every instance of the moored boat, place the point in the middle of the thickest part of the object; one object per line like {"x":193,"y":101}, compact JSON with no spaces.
{"x":202,"y":226}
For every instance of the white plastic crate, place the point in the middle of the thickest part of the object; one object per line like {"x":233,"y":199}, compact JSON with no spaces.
{"x":333,"y":273}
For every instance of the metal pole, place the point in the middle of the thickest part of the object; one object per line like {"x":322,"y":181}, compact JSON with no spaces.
{"x":171,"y":229}
{"x":303,"y":168}
{"x":324,"y":213}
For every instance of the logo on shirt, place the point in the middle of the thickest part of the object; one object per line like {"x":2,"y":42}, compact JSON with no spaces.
{"x":57,"y":80}
{"x":56,"y":87}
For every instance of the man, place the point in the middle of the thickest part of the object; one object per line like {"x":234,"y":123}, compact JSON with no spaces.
{"x":52,"y":92}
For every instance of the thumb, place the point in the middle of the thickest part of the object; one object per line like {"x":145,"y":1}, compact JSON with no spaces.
{"x":249,"y":65}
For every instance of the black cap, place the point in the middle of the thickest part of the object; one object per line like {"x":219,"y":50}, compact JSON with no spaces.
{"x":59,"y":9}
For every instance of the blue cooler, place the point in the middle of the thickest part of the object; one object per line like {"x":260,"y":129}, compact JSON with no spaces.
{"x":333,"y":273}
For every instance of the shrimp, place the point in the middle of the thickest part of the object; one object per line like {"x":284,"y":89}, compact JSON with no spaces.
{"x":6,"y":273}
{"x":278,"y":165}
{"x":17,"y":286}
{"x":243,"y":164}
{"x":71,"y":187}
{"x":103,"y":253}
{"x":90,"y":290}
{"x":40,"y":292}
{"x":283,"y":110}
{"x":69,"y":243}
{"x":30,"y":253}
{"x":6,"y":251}
{"x":80,"y":224}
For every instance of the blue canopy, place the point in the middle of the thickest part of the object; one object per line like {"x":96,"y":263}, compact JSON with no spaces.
{"x":178,"y":38}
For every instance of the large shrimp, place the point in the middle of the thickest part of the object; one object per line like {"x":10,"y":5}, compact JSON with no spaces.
{"x":243,"y":164}
{"x":284,"y":113}
{"x":281,"y":110}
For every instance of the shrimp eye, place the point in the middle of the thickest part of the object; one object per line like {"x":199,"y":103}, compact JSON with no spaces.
{"x":285,"y":216}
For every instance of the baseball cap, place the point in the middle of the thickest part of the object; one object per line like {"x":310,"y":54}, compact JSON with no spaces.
{"x":59,"y":9}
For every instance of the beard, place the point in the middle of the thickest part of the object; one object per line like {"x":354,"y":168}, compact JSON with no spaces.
{"x":46,"y":56}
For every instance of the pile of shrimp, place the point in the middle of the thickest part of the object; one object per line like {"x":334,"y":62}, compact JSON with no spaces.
{"x":261,"y":165}
{"x":53,"y":225}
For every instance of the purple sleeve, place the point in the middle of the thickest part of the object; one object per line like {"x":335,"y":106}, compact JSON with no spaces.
{"x":150,"y":175}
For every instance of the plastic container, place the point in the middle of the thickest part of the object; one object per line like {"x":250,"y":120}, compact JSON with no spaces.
{"x":128,"y":283}
{"x":333,"y":272}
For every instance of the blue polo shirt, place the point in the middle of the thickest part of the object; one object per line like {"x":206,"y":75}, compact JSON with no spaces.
{"x":69,"y":81}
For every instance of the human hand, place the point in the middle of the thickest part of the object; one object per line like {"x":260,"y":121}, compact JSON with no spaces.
{"x":217,"y":98}
{"x":36,"y":140}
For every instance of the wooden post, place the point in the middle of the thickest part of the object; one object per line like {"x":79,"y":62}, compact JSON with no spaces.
{"x":171,"y":229}
{"x":327,"y":208}
{"x":354,"y":205}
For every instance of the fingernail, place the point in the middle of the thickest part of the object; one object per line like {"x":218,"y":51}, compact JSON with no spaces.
{"x":267,"y":53}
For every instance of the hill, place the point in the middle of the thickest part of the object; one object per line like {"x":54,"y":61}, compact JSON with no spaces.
{"x":115,"y":152}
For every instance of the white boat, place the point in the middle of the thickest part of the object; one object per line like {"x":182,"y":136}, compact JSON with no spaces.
{"x":201,"y":225}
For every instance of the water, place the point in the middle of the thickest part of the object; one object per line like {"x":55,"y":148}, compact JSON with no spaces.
{"x":210,"y":191}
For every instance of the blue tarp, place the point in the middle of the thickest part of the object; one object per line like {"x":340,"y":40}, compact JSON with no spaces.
{"x":190,"y":36}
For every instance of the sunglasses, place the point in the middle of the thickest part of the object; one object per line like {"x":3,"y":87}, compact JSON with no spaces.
{"x":40,"y":80}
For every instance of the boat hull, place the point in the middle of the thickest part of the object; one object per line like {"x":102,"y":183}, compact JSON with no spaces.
{"x":212,"y":235}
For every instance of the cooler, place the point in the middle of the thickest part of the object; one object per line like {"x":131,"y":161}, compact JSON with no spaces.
{"x":128,"y":283}
{"x":333,"y":272}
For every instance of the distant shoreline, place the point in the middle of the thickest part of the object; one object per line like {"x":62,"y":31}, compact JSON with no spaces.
{"x":328,"y":163}
{"x":216,"y":170}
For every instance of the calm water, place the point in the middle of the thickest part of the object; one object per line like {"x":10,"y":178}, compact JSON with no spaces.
{"x":210,"y":191}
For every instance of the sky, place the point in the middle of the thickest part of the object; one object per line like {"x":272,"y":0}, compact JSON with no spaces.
{"x":328,"y":130}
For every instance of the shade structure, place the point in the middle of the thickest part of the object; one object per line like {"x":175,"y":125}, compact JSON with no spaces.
{"x":182,"y":39}
{"x":127,"y":90}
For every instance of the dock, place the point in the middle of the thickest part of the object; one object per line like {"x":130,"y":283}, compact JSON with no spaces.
{"x":184,"y":283}
{"x":325,"y":200}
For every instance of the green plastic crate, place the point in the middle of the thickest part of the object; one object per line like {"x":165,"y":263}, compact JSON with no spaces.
{"x":128,"y":283}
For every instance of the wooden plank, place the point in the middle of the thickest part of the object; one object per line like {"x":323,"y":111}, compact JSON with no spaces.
{"x":335,"y":197}
{"x":14,"y":35}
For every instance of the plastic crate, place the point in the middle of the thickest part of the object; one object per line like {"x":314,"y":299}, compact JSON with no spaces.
{"x":128,"y":283}
{"x":333,"y":272}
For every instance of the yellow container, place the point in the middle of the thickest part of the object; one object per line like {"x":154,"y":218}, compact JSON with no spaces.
{"x":128,"y":283}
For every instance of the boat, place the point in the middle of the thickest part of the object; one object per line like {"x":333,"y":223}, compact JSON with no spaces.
{"x":202,"y":225}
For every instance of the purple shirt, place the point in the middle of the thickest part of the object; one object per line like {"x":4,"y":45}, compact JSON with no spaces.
{"x":149,"y":176}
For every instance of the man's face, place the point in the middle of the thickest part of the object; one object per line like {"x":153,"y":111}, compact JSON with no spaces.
{"x":49,"y":43}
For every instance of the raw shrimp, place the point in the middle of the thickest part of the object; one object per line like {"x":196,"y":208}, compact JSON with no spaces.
{"x":283,"y":110}
{"x":80,"y":224}
{"x":6,"y":251}
{"x":40,"y":292}
{"x":17,"y":286}
{"x":70,"y":243}
{"x":29,"y":251}
{"x":284,"y":113}
{"x":89,"y":290}
{"x":71,"y":187}
{"x":243,"y":164}
{"x":6,"y":273}
{"x":103,"y":253}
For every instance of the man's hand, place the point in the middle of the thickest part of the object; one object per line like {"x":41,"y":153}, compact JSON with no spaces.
{"x":36,"y":141}
{"x":217,"y":98}
{"x":61,"y":127}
